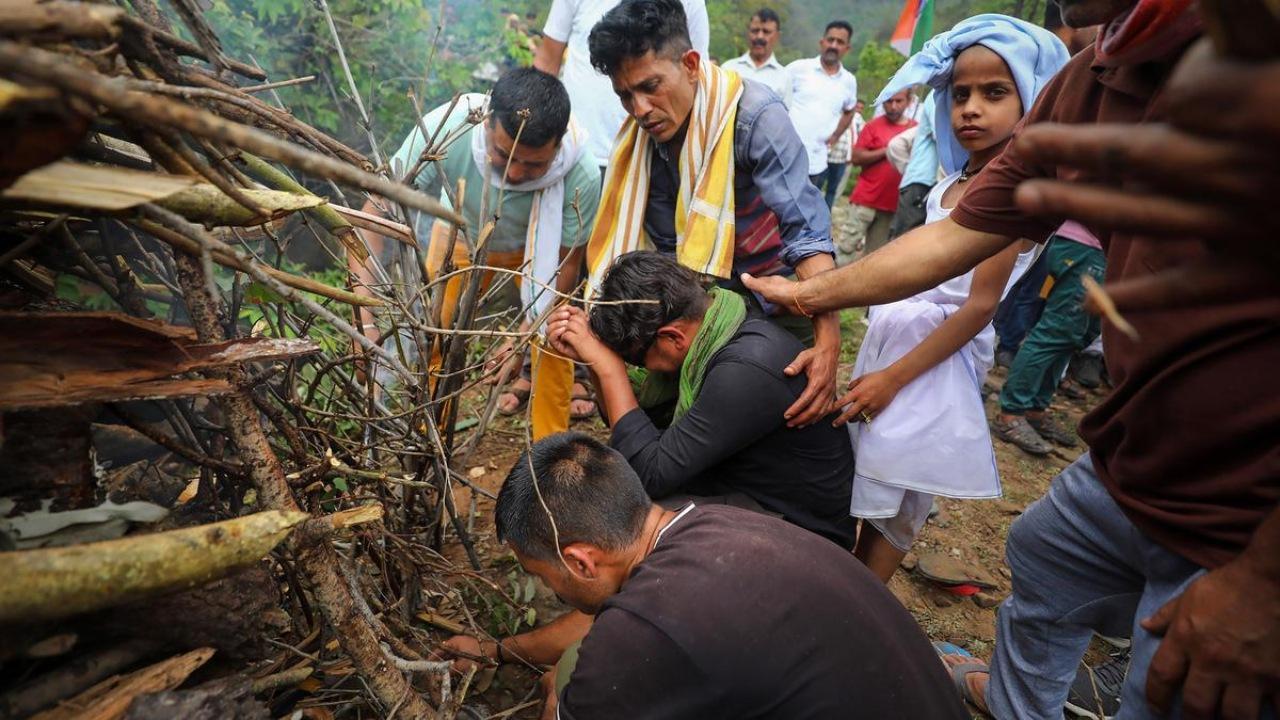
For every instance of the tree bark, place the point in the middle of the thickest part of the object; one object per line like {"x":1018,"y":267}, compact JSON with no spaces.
{"x":316,"y":558}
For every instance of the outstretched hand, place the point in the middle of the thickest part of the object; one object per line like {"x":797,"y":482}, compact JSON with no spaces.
{"x":1221,"y":645}
{"x":464,"y":650}
{"x":1203,"y":174}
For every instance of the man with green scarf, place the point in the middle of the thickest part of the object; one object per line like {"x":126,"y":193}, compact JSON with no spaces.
{"x":700,"y":413}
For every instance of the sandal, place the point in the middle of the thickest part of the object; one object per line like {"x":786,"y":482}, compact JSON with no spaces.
{"x":1019,"y":432}
{"x":960,"y":672}
{"x":522,"y":399}
{"x":584,"y":396}
{"x":1049,"y":429}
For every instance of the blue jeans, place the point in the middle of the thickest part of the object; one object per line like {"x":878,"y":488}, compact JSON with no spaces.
{"x":830,"y":180}
{"x":1021,"y":308}
{"x":1079,"y":566}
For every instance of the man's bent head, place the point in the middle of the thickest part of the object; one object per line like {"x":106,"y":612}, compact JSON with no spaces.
{"x":644,"y":48}
{"x":571,"y":508}
{"x":657,"y":332}
{"x":534,"y":106}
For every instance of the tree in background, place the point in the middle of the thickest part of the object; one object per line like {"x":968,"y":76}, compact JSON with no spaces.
{"x":877,"y":62}
{"x":389,"y":46}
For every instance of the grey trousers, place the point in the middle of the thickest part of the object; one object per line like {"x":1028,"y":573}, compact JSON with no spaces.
{"x":1079,"y":565}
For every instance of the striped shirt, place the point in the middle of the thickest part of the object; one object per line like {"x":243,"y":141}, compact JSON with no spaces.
{"x":781,"y":218}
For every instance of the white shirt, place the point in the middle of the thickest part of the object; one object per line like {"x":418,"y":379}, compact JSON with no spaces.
{"x":817,"y":102}
{"x":771,"y":73}
{"x":595,"y":106}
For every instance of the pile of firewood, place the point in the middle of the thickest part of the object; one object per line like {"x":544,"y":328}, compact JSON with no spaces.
{"x":150,"y":169}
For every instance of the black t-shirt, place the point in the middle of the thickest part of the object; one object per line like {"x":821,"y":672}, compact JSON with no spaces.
{"x":740,"y":615}
{"x":735,"y":439}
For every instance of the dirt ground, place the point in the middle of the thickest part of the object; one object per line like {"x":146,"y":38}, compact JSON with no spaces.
{"x":970,"y":531}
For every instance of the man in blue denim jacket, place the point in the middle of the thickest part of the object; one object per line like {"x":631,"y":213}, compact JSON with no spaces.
{"x":783,"y":224}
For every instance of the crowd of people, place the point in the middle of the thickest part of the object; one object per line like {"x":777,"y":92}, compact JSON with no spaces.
{"x":726,"y":552}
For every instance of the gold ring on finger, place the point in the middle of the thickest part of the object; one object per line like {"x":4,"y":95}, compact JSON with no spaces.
{"x":866,"y":416}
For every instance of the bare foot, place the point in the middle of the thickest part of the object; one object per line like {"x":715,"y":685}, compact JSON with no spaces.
{"x":581,"y":408}
{"x":514,"y":397}
{"x":975,"y":682}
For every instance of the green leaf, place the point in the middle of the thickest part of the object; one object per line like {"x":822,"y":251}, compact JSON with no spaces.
{"x":529,"y":590}
{"x":530,"y":617}
{"x":259,"y":294}
{"x":340,"y":484}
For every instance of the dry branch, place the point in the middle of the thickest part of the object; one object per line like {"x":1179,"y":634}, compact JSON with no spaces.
{"x":160,"y":113}
{"x":59,"y":582}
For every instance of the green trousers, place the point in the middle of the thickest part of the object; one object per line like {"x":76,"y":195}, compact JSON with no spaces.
{"x":1063,"y":328}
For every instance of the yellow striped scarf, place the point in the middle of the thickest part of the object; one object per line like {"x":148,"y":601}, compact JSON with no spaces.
{"x":705,"y":207}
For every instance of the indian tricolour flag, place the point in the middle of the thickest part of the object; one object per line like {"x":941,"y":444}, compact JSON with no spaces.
{"x":915,"y":26}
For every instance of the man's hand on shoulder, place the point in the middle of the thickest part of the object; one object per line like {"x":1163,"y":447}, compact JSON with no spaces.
{"x":819,"y":364}
{"x":1221,"y":644}
{"x":776,"y":289}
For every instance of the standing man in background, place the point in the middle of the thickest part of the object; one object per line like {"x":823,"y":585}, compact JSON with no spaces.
{"x":920,"y":173}
{"x":759,"y":63}
{"x":590,"y":93}
{"x":875,"y":197}
{"x":823,"y":95}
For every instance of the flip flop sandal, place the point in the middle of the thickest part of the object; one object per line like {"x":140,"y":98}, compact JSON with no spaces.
{"x":522,"y":399}
{"x":960,"y":672}
{"x":950,"y":573}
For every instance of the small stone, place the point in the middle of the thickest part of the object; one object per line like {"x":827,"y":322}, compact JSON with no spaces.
{"x":909,"y":562}
{"x":476,"y":472}
{"x":943,"y":600}
{"x":1008,"y":508}
{"x":955,"y":552}
{"x":1006,"y":572}
{"x":986,"y":599}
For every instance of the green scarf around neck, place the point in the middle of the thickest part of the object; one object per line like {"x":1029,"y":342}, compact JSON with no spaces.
{"x":720,"y":323}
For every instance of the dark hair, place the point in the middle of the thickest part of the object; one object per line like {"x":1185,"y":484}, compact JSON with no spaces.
{"x":767,"y":15}
{"x":635,"y":27}
{"x":542,"y":95}
{"x":630,"y":328}
{"x":841,"y":24}
{"x":1052,"y":16}
{"x":588,"y":487}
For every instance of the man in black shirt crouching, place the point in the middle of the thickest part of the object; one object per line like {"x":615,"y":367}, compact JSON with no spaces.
{"x":701,"y":414}
{"x":703,"y":612}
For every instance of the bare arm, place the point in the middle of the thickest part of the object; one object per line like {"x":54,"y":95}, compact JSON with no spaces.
{"x":872,"y":392}
{"x":540,"y":646}
{"x":914,"y":262}
{"x":819,"y":363}
{"x":549,"y":56}
{"x":865,"y":156}
{"x":845,"y":119}
{"x":570,"y":264}
{"x":363,"y":273}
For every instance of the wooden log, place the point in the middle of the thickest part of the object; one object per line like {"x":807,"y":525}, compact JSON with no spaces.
{"x":110,"y":699}
{"x":60,"y":20}
{"x":59,"y":582}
